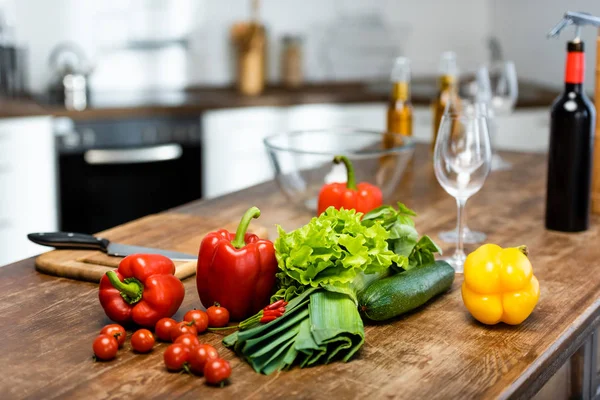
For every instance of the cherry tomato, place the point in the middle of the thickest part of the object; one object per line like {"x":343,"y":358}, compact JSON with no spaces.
{"x":217,"y":316}
{"x":105,"y":347}
{"x":163,"y":328}
{"x":117,"y":331}
{"x":176,"y":356}
{"x":188,"y":340}
{"x":200,"y":355}
{"x":142,"y":341}
{"x":182,"y":328}
{"x":217,"y":371}
{"x":199,"y":317}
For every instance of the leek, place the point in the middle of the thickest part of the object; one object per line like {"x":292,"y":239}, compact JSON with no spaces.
{"x":320,"y":327}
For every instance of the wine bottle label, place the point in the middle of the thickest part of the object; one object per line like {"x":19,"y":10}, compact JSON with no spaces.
{"x":575,"y":68}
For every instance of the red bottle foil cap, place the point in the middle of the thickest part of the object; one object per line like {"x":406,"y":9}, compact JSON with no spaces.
{"x":575,"y":67}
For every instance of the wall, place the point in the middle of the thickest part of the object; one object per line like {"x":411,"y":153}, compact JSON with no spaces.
{"x":101,"y":27}
{"x":521,"y":27}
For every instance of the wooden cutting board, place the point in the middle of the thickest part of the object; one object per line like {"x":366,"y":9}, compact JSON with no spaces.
{"x":169,"y":231}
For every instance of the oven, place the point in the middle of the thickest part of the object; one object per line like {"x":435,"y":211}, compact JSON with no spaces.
{"x":114,"y":171}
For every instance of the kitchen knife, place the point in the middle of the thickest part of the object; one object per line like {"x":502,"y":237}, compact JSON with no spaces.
{"x":68,"y":240}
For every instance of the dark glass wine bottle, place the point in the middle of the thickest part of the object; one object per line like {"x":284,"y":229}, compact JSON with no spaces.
{"x":571,"y":146}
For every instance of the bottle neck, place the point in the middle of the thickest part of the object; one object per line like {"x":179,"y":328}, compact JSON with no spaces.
{"x":575,"y":70}
{"x":573,"y":87}
{"x":400,"y":91}
{"x":446,"y":82}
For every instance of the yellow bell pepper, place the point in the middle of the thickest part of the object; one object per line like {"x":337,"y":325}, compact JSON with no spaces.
{"x":499,"y":285}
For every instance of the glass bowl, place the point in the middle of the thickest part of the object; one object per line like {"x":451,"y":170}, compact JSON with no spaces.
{"x":303,"y":161}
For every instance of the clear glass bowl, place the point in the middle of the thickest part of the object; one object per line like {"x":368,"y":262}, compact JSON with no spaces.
{"x":303,"y":161}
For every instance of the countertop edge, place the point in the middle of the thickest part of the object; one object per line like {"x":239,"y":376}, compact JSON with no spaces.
{"x":548,"y":363}
{"x":196,"y":100}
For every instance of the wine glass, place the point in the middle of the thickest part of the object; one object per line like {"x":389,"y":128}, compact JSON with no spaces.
{"x":477,"y":99}
{"x":462,"y":160}
{"x":505,"y":91}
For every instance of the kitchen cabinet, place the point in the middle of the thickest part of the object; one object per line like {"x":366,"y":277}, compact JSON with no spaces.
{"x":28,"y":200}
{"x":525,"y":130}
{"x":234,"y":156}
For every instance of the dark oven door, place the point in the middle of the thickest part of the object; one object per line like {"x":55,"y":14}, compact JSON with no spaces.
{"x":110,"y":180}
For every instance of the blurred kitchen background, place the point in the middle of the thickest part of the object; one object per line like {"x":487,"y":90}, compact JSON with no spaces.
{"x":114,"y":109}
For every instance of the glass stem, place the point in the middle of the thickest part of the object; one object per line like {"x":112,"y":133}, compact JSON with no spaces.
{"x":460,"y":224}
{"x":493,"y":133}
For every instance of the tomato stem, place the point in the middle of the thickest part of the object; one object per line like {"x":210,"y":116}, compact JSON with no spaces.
{"x":186,"y":368}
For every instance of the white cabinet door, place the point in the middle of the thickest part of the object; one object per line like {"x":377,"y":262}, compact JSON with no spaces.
{"x":233,"y":153}
{"x":314,"y":116}
{"x":523,"y":130}
{"x":28,"y":201}
{"x":367,"y":116}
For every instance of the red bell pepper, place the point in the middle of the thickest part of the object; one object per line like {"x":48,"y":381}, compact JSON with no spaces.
{"x":143,"y":290}
{"x":363,"y":197}
{"x":236,"y":270}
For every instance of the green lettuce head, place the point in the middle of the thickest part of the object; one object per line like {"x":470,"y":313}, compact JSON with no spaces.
{"x":332,"y":249}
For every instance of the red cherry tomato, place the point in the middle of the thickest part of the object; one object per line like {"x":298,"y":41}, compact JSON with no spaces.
{"x":199,"y":317}
{"x":200,"y":355}
{"x":117,"y":331}
{"x":217,"y":371}
{"x":182,"y":328}
{"x":217,"y":316}
{"x":142,"y":341}
{"x":188,"y":340}
{"x":176,"y":356}
{"x":105,"y":347}
{"x":163,"y":327}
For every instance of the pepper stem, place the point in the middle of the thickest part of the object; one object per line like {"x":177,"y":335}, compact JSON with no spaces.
{"x":131,"y":289}
{"x":523,"y":249}
{"x":351,"y":180}
{"x":239,"y":241}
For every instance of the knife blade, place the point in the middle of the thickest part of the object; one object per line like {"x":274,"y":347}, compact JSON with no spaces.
{"x":71,"y":240}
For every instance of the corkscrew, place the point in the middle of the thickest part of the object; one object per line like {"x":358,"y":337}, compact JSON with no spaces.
{"x":578,"y":19}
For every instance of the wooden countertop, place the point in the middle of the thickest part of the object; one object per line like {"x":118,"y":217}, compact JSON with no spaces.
{"x":196,"y":100}
{"x":48,"y":324}
{"x":21,"y":108}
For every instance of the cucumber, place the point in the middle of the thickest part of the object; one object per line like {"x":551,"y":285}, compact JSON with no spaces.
{"x":389,"y":297}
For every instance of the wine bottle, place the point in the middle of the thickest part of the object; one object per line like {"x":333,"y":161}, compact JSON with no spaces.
{"x":570,"y":154}
{"x":447,"y":97}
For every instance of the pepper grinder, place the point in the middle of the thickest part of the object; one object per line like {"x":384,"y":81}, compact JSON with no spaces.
{"x":580,"y":19}
{"x":291,"y":62}
{"x":250,"y":41}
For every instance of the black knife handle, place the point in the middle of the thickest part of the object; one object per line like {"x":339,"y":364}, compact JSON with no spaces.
{"x":68,"y":240}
